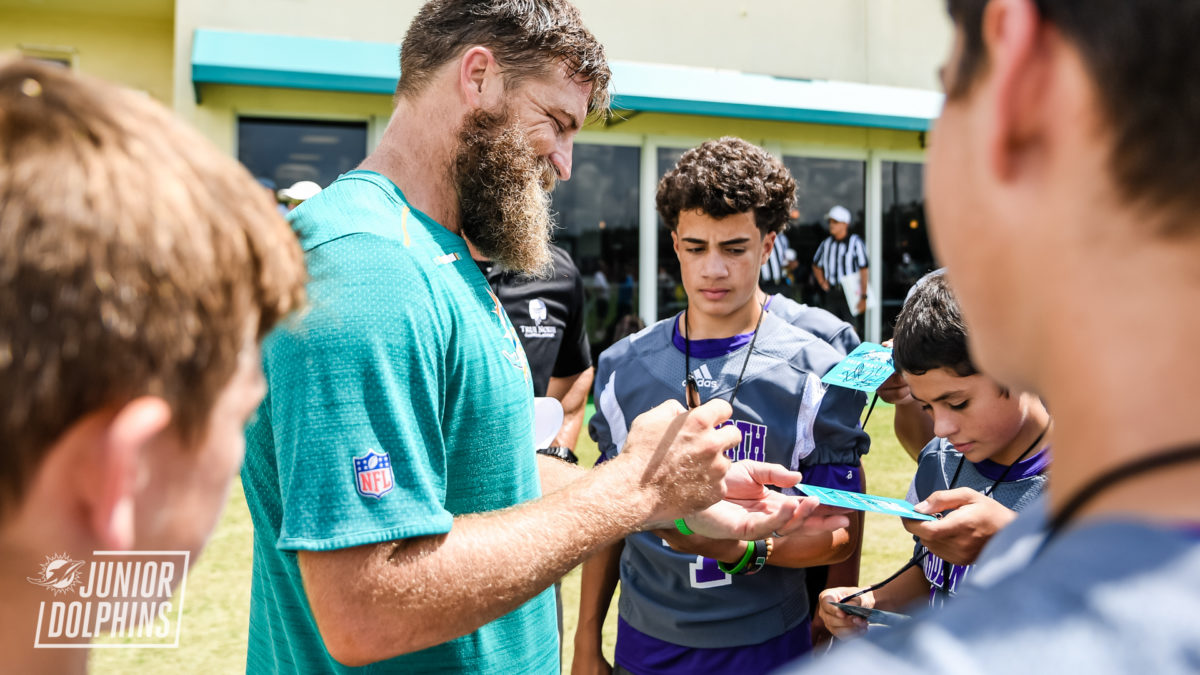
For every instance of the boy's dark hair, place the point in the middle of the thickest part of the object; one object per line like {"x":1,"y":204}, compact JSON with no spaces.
{"x":930,"y":332}
{"x":1145,"y":67}
{"x":134,"y":258}
{"x":527,"y":37}
{"x":726,"y":177}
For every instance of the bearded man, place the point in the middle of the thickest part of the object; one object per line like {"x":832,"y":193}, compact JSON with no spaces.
{"x":391,"y":472}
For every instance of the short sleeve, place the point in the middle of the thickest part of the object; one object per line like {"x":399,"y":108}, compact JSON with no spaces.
{"x":837,"y":436}
{"x":574,"y":354}
{"x":860,"y":252}
{"x":845,"y":340}
{"x":911,"y":496}
{"x":921,"y":486}
{"x":607,"y":426}
{"x":354,"y":405}
{"x":928,"y":477}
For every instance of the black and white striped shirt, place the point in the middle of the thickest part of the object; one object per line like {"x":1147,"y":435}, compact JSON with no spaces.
{"x":774,"y":271}
{"x":840,"y":258}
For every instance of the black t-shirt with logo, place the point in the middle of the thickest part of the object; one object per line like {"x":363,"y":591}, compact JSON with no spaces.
{"x":548,"y":316}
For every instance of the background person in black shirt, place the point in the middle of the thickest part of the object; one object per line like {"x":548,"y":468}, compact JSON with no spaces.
{"x":548,"y":316}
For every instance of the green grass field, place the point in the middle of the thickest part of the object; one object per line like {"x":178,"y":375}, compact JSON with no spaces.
{"x":216,"y":608}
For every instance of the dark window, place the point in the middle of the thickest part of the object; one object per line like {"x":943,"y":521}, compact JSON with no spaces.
{"x":671,"y":296}
{"x":821,"y":184}
{"x":63,"y":62}
{"x":906,"y":251}
{"x":597,"y":214}
{"x":288,"y":151}
{"x":63,"y":57}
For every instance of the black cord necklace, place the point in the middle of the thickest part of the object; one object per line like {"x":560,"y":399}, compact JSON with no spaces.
{"x":916,"y":560}
{"x":1121,"y":473}
{"x":691,"y":390}
{"x":946,"y":567}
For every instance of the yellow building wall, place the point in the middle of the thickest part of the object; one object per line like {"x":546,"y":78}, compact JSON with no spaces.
{"x":221,"y":106}
{"x":134,"y":51}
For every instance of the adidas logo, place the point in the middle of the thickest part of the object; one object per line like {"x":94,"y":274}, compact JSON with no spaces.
{"x":704,"y":378}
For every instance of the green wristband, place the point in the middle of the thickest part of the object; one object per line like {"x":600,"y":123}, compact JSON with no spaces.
{"x":743,"y":563}
{"x":682,"y":526}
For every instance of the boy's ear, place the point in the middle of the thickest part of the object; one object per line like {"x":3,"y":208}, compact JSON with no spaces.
{"x":1015,"y":38}
{"x":768,"y":245}
{"x":115,"y":469}
{"x":675,"y":242}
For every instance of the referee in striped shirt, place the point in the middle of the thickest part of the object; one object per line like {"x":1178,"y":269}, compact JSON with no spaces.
{"x":774,"y":276}
{"x":840,"y":255}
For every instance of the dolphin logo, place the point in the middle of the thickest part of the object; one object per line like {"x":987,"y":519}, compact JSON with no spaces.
{"x":60,"y":574}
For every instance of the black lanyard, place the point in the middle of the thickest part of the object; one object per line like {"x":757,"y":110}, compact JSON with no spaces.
{"x":690,"y":388}
{"x":916,"y":560}
{"x":1118,"y":474}
{"x":946,"y":567}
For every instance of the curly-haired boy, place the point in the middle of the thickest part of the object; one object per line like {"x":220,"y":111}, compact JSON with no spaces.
{"x":690,"y":604}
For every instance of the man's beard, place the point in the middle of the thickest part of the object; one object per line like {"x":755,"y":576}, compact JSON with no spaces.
{"x":504,"y":193}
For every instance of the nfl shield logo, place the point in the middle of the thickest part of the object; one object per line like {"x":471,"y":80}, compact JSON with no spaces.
{"x":373,"y":474}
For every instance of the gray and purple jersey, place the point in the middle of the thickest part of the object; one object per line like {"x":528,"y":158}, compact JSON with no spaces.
{"x":936,"y":468}
{"x":787,"y":416}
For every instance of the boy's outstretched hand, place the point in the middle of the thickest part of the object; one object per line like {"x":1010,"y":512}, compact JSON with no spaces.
{"x":961,"y":535}
{"x":751,"y":511}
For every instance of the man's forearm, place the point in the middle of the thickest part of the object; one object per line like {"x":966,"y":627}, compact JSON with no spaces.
{"x":556,"y":474}
{"x":378,"y":601}
{"x":375,"y":602}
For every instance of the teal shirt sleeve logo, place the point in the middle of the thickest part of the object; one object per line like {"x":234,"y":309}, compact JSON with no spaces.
{"x":373,"y":475}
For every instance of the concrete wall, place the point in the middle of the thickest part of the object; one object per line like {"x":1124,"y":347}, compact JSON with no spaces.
{"x":890,"y":42}
{"x":887,"y":42}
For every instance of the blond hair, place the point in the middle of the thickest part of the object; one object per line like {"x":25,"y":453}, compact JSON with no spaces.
{"x":133,"y":256}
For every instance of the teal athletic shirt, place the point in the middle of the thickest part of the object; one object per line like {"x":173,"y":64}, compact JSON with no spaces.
{"x":398,"y":400}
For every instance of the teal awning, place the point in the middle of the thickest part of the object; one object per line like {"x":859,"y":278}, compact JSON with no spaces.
{"x":647,"y":87}
{"x":290,"y":62}
{"x":264,"y":60}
